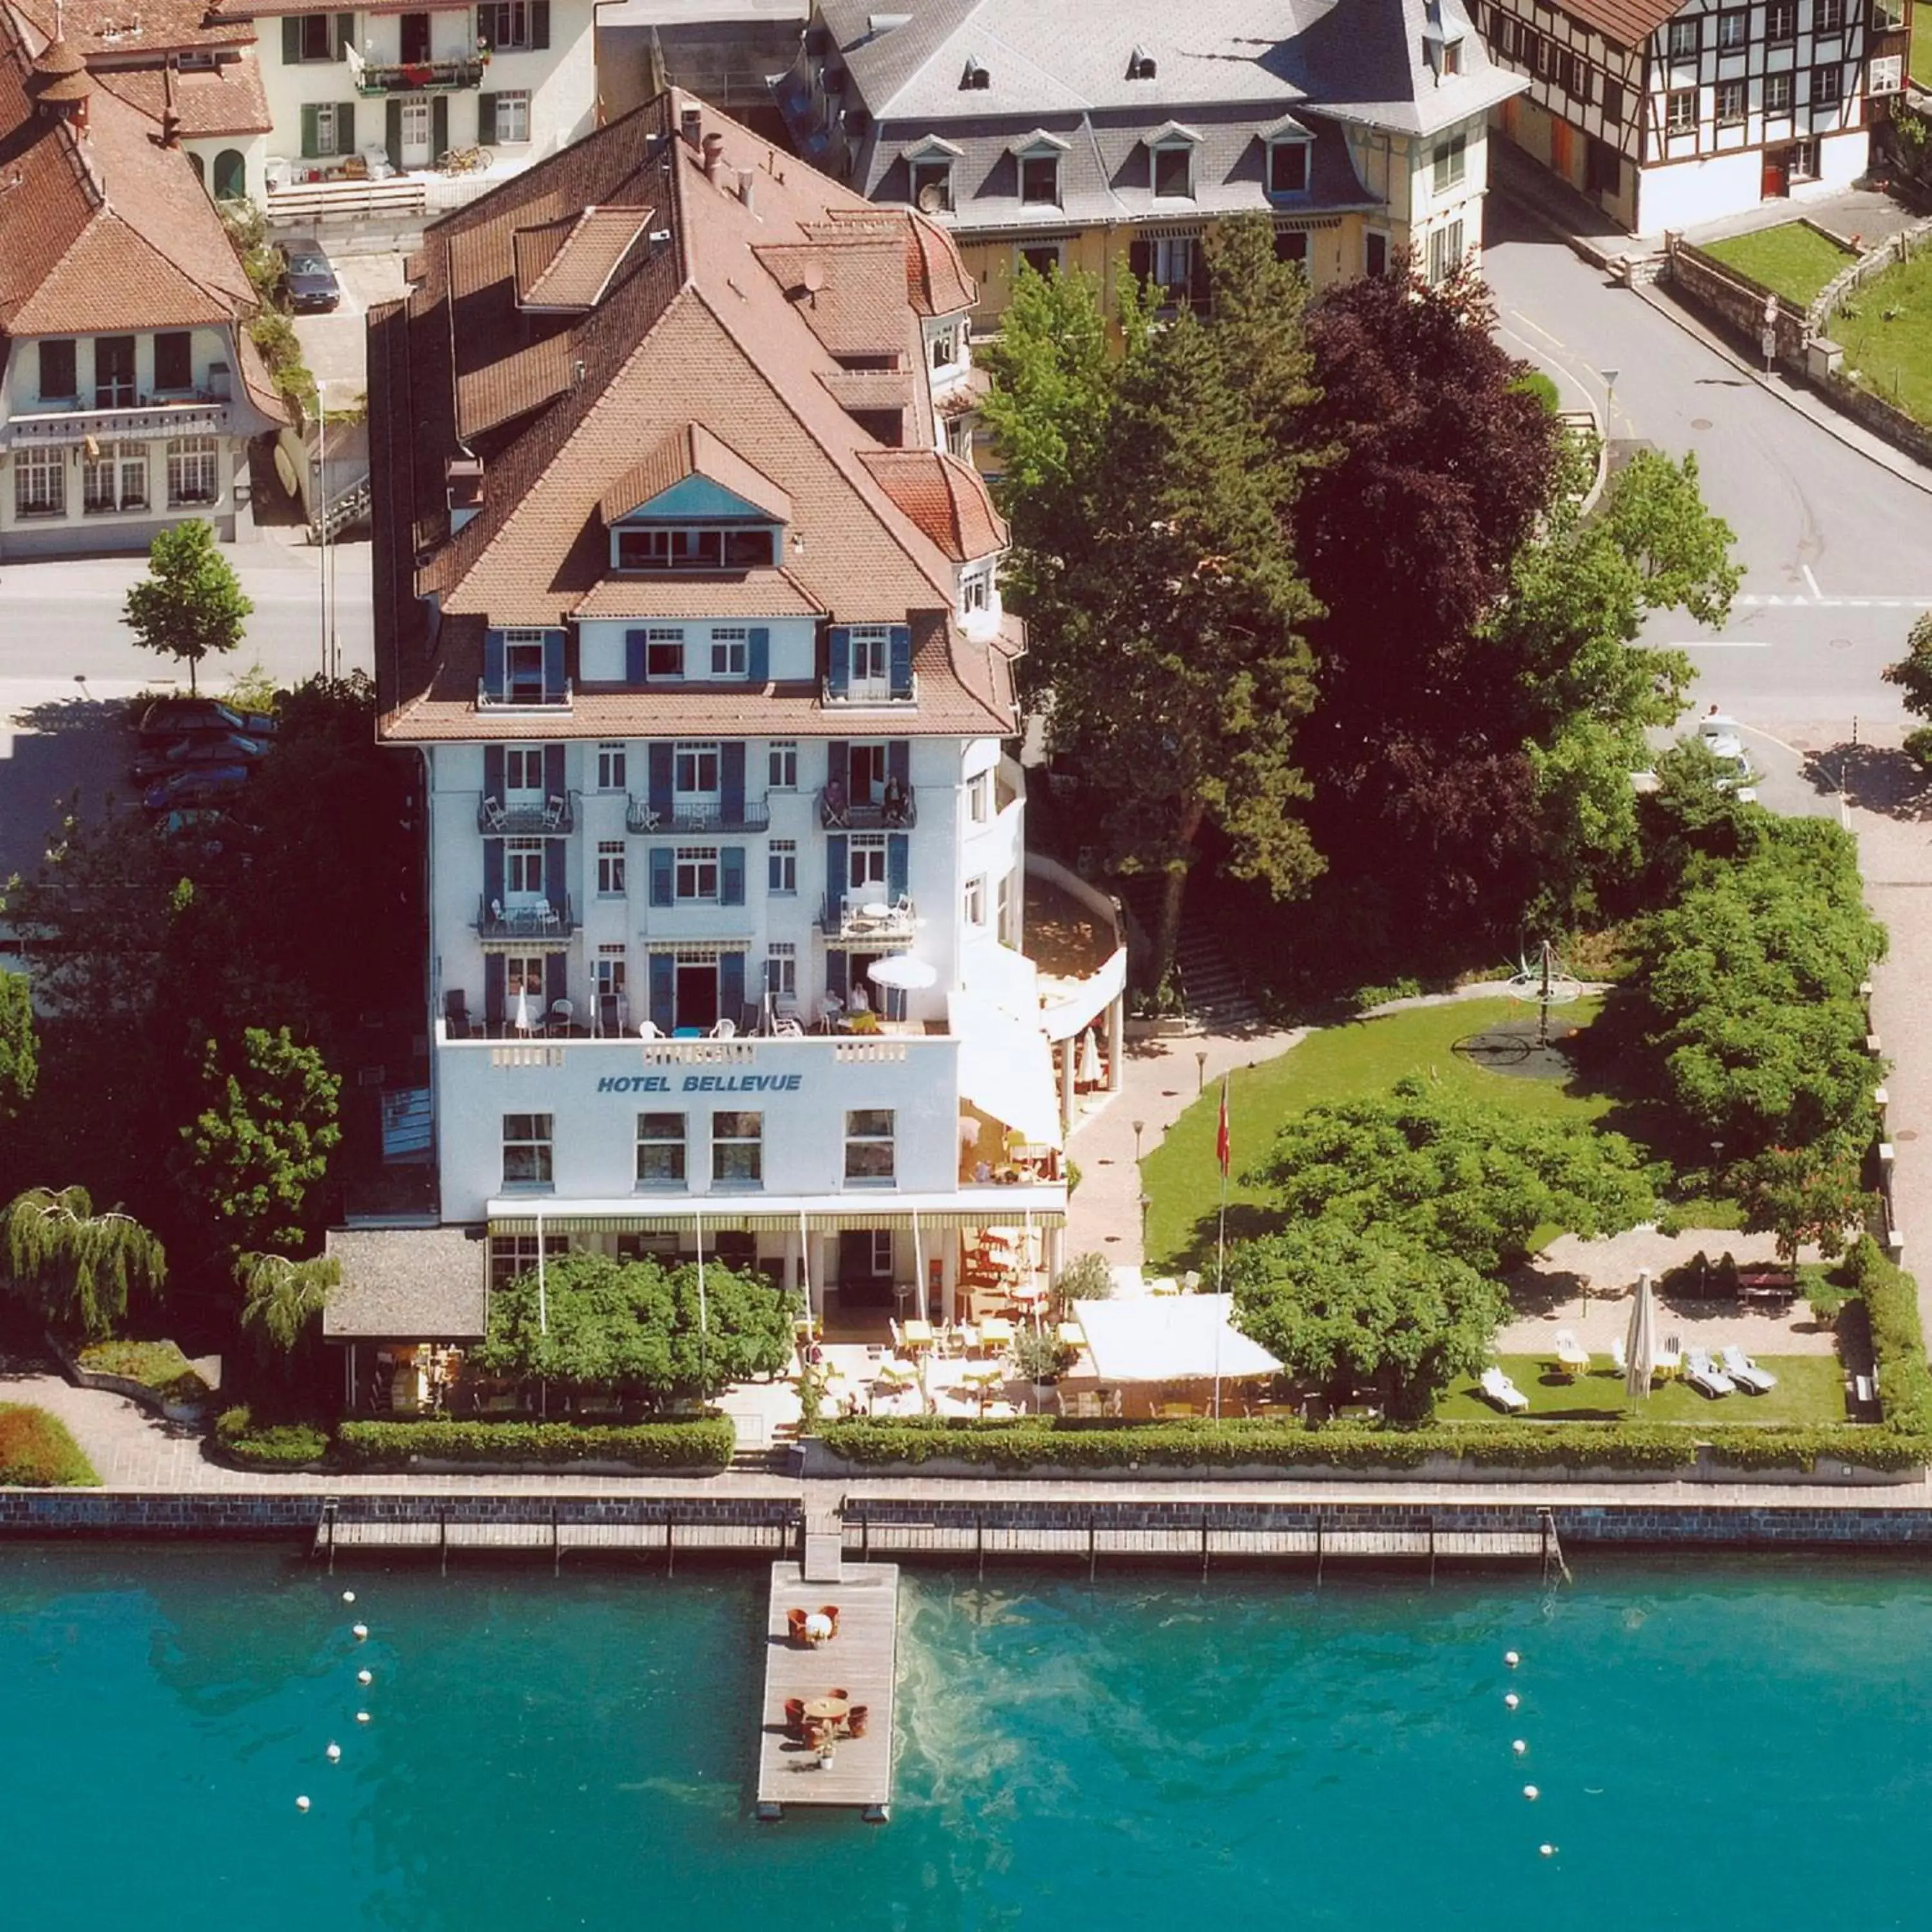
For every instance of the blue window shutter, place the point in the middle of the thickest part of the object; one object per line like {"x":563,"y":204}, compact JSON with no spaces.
{"x":731,"y":782}
{"x":841,"y":648}
{"x":493,"y":871}
{"x":901,"y":660}
{"x":556,"y":977}
{"x":493,"y":661}
{"x":664,"y":991}
{"x":758,"y":657}
{"x":730,"y":984}
{"x":837,"y":764}
{"x":553,"y":640}
{"x":493,"y":987}
{"x":554,"y":880}
{"x":835,"y":874}
{"x":898,"y":760}
{"x":634,"y":657}
{"x":837,"y":975}
{"x":664,"y":878}
{"x":731,"y":875}
{"x":658,"y":762}
{"x":898,"y":868}
{"x":492,"y":773}
{"x":553,"y":771}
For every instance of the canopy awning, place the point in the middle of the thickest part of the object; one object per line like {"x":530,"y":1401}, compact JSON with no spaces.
{"x":1170,"y":1338}
{"x":1006,"y":1069}
{"x":780,"y":1214}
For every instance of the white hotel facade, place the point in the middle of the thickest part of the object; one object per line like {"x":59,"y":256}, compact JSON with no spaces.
{"x":697,"y":633}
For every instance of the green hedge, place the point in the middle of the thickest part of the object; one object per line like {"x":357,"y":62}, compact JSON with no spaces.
{"x":269,"y":1445}
{"x":707,"y":1444}
{"x":158,"y":1366}
{"x":1890,"y":1298}
{"x":1057,"y":1442}
{"x":37,"y":1453}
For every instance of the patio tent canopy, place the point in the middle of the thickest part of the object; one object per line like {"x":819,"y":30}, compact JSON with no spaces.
{"x":1170,"y":1338}
{"x":1006,"y":1069}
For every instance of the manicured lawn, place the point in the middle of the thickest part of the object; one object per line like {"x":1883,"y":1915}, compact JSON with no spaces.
{"x":1809,"y":1393}
{"x":1921,"y":46}
{"x":37,"y":1452}
{"x":159,"y":1365}
{"x":1795,"y":260}
{"x":1893,"y":357}
{"x":1343,"y":1063}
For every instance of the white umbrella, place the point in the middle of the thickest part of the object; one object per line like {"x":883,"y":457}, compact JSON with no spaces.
{"x":902,"y":970}
{"x":1639,"y":1340}
{"x":1089,"y":1075}
{"x":523,"y":1019}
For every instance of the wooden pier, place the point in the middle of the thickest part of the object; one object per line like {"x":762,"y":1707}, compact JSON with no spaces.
{"x":544,"y":1534}
{"x":862,"y":1661}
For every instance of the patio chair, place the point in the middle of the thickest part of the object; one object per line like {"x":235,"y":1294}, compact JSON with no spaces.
{"x":493,"y":814}
{"x":1570,"y":1354}
{"x":456,"y":1013}
{"x":1504,"y":1392}
{"x":1619,"y":1357}
{"x":856,"y":1719}
{"x":562,"y":1013}
{"x":725,"y":1030}
{"x":1745,"y":1373}
{"x":794,"y":1714}
{"x":795,"y":1629}
{"x":1705,"y":1376}
{"x":553,"y":813}
{"x":650,"y":1030}
{"x":830,"y":1612}
{"x":609,"y":1025}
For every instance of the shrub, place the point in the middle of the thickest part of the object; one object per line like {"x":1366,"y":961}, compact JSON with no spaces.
{"x":268,"y":1445}
{"x":37,"y":1452}
{"x":707,"y":1444}
{"x":1535,"y":382}
{"x":1086,"y":1278}
{"x":1919,"y":746}
{"x":1890,"y":1299}
{"x":159,"y":1365}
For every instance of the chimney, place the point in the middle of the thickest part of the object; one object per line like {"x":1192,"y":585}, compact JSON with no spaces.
{"x":714,"y":153}
{"x":747,"y":181}
{"x":691,"y":125}
{"x":462,"y":488}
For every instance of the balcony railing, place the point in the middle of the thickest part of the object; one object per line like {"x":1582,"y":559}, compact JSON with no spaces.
{"x":752,"y":815}
{"x":857,"y":917}
{"x":840,"y":813}
{"x":203,"y":413}
{"x":548,"y":698}
{"x":554,"y":815}
{"x":873,"y":694}
{"x":495,"y":920}
{"x":430,"y":77}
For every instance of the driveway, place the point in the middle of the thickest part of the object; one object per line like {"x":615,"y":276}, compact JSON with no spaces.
{"x":335,"y":346}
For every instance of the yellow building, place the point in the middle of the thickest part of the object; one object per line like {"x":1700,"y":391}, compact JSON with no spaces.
{"x":1107,"y":135}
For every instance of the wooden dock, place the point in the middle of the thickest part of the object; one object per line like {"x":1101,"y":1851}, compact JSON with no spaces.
{"x":543,"y":1535}
{"x":862,"y":1661}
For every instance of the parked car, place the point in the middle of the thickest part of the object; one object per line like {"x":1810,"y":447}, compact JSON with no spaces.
{"x":307,"y":278}
{"x":1721,"y":737}
{"x":168,"y":718}
{"x":205,"y":785}
{"x":201,"y":748}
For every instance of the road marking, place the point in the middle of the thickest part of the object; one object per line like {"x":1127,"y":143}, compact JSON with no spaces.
{"x":1713,"y":644}
{"x":1810,"y":582}
{"x":1752,"y":600}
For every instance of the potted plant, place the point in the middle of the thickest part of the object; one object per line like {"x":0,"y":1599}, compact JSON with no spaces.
{"x":1041,"y":1356}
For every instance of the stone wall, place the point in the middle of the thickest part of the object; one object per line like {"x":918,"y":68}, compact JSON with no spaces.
{"x":1734,"y":299}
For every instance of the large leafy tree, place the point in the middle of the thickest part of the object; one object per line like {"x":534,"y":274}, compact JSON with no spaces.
{"x":637,"y":1327}
{"x":1339,"y":1306}
{"x":1165,"y":607}
{"x":1446,"y":1173}
{"x":19,"y":1054}
{"x":1912,"y":674}
{"x":81,"y":1267}
{"x":257,"y":1153}
{"x":190,"y":603}
{"x":283,"y":1301}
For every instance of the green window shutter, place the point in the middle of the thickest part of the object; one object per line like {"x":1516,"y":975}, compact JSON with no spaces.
{"x":291,"y":39}
{"x":345,"y":35}
{"x":540,"y":23}
{"x":439,"y":123}
{"x":345,"y":127}
{"x":392,"y":131}
{"x":486,"y":118}
{"x":310,"y":141}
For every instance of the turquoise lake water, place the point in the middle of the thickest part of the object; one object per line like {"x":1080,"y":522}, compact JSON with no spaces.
{"x":1737,"y":1744}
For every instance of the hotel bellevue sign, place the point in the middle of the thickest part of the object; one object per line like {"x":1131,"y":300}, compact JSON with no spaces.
{"x":701,"y":1083}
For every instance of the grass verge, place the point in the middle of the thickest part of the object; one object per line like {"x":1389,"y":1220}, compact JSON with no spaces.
{"x":1810,"y":1394}
{"x":37,"y":1451}
{"x":1892,"y":358}
{"x":1795,"y":260}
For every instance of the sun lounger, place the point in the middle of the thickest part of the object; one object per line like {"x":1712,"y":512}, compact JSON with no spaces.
{"x":1504,"y":1392}
{"x":1704,"y":1377}
{"x":1570,"y":1354}
{"x":1619,"y":1359}
{"x":1745,"y":1373}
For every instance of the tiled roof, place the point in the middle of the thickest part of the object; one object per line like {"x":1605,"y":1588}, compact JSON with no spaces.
{"x":568,"y":264}
{"x":229,"y":100}
{"x":692,"y":450}
{"x":944,"y":497}
{"x":1629,"y":23}
{"x":872,"y":389}
{"x":102,"y":231}
{"x":693,"y":331}
{"x":748,"y":593}
{"x":121,"y":30}
{"x":407,"y":1285}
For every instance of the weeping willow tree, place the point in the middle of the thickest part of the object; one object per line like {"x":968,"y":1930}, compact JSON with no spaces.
{"x":81,"y":1267}
{"x":282,"y":1300}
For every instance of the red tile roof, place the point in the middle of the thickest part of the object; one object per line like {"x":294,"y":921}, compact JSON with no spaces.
{"x":944,"y":497}
{"x":713,"y":331}
{"x":125,"y":30}
{"x":692,"y":450}
{"x":568,"y":264}
{"x":227,"y":100}
{"x":748,"y":593}
{"x":1629,"y":23}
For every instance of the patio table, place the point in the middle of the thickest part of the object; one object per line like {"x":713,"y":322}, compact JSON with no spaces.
{"x":996,"y":1332}
{"x":918,"y":1334}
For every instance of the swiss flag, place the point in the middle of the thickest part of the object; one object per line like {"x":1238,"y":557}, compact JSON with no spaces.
{"x":1223,"y":1147}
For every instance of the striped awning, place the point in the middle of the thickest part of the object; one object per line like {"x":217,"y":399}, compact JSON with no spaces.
{"x":727,"y":1220}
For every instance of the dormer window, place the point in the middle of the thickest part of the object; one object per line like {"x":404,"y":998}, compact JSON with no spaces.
{"x":929,"y":168}
{"x":694,"y":504}
{"x":976,"y":590}
{"x":1452,"y":58}
{"x":1171,"y":163}
{"x":1141,"y":65}
{"x":695,"y":547}
{"x":1039,"y":158}
{"x":975,"y":79}
{"x":1288,"y":160}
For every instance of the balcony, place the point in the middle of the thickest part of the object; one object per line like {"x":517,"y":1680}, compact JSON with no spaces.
{"x":431,"y":77}
{"x":857,"y":920}
{"x":872,"y":694}
{"x":203,"y":413}
{"x":841,"y":814}
{"x":525,"y":697}
{"x":554,"y":923}
{"x":694,"y":815}
{"x":552,"y":817}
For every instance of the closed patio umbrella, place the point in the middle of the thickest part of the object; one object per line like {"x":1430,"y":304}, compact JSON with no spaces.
{"x":1640,"y":1339}
{"x":1089,"y":1075}
{"x":523,"y":1019}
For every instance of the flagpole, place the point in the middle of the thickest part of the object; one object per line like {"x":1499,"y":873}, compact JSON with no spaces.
{"x":1223,"y":1151}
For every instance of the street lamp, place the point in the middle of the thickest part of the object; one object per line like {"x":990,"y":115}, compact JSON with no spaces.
{"x":1138,"y":1126}
{"x":1201,"y":1070}
{"x":331,"y":649}
{"x":1146,"y":1202}
{"x":1609,"y":397}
